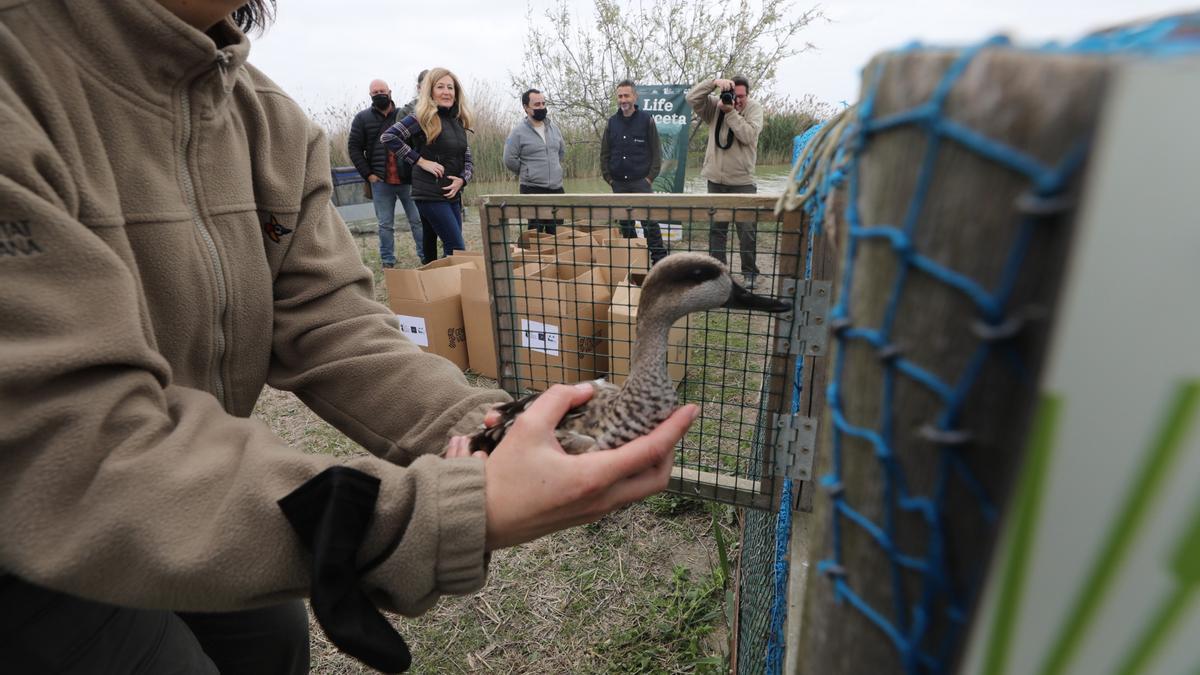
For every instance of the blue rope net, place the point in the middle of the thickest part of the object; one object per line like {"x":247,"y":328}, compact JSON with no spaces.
{"x":908,"y":625}
{"x":783,"y":527}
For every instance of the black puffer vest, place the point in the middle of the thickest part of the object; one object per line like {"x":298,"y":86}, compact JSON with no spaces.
{"x":449,"y":149}
{"x":366,"y":152}
{"x":629,"y":146}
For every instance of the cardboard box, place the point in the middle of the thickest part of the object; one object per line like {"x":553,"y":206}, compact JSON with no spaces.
{"x":561,"y":321}
{"x":622,"y":331}
{"x":621,"y":257}
{"x":428,"y":303}
{"x":521,"y":256}
{"x":554,"y":244}
{"x":477,"y":315}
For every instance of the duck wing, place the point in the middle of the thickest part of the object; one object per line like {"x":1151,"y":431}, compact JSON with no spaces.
{"x":575,"y":430}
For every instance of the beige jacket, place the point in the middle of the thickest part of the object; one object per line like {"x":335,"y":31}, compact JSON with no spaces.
{"x":734,"y":166}
{"x":167,"y":246}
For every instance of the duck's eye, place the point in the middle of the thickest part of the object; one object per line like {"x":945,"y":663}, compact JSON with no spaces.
{"x":705,"y":273}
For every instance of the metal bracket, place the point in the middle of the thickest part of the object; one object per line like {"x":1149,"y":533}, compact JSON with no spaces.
{"x":795,"y":446}
{"x":809,"y":331}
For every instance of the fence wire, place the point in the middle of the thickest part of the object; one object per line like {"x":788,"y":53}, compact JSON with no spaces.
{"x":756,"y":591}
{"x":566,"y":272}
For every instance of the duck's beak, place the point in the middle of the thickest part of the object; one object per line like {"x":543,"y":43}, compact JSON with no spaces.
{"x":740,"y":298}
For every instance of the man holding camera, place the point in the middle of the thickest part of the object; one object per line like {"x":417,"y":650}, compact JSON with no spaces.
{"x":734,"y":124}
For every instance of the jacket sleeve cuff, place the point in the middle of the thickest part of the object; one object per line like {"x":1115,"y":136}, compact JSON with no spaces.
{"x":473,"y":420}
{"x":462,"y":561}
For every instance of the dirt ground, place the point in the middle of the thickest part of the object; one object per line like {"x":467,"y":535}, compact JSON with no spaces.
{"x":635,"y":592}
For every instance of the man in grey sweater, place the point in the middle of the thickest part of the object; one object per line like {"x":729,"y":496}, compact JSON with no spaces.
{"x":534,"y":151}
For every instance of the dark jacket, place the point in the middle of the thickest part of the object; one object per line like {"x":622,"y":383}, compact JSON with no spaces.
{"x":408,"y":141}
{"x":630,"y":148}
{"x":367,"y":153}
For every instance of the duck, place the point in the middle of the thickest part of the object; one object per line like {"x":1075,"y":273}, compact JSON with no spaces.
{"x":678,"y":285}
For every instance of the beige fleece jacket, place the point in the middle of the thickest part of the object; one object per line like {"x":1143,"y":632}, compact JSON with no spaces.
{"x":734,"y":166}
{"x":167,"y":246}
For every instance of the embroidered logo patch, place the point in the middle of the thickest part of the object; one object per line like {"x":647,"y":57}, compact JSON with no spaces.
{"x":273,"y":228}
{"x":16,"y":239}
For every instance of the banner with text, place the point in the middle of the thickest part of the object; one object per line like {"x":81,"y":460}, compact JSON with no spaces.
{"x":672,"y":115}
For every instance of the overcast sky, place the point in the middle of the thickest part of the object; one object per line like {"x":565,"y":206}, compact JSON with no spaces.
{"x":325,"y":54}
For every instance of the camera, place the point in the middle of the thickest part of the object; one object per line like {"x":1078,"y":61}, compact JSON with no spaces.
{"x":727,"y":97}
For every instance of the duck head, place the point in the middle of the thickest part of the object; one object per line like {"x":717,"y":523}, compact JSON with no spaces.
{"x":683,"y":283}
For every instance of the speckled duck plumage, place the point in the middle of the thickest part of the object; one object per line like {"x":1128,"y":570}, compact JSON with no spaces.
{"x":678,"y":285}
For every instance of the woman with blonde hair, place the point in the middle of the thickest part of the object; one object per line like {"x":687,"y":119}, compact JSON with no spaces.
{"x":434,"y":140}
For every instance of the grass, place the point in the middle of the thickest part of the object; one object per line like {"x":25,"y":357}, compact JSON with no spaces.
{"x":641,"y":591}
{"x":644,"y":590}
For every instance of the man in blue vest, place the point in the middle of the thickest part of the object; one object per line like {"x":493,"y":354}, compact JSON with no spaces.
{"x":389,"y":179}
{"x":630,"y":157}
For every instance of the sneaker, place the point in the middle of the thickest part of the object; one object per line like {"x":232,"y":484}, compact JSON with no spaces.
{"x":751,"y":280}
{"x":389,"y":266}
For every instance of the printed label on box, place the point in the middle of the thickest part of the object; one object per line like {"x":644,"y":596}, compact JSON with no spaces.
{"x":540,"y":337}
{"x":414,"y":328}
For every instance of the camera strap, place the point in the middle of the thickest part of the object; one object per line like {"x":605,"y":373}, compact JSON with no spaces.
{"x":729,"y":133}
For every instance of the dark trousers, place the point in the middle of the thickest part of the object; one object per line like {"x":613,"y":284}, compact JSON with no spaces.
{"x":44,"y":631}
{"x":718,"y":236}
{"x":542,"y":225}
{"x":654,"y":240}
{"x":441,"y":220}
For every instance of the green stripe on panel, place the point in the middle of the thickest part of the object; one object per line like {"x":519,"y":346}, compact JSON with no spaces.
{"x":1161,"y":456}
{"x":1185,"y":567}
{"x":1027,"y":502}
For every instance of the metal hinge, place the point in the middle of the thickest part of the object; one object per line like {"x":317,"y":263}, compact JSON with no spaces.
{"x":809,"y":332}
{"x":795,"y":445}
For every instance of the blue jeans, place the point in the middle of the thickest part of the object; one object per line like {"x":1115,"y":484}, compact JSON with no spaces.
{"x":441,"y":220}
{"x":384,"y":196}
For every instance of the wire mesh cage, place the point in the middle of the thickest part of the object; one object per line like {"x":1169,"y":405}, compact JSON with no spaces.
{"x":566,"y":273}
{"x":755,"y":593}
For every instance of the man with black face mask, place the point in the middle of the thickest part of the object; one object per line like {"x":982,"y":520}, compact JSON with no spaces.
{"x":534,"y":151}
{"x":389,"y":179}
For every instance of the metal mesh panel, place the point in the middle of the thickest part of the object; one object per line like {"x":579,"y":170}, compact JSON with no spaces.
{"x":565,"y":272}
{"x":756,"y":593}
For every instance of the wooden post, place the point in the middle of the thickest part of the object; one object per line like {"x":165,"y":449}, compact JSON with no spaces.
{"x":1042,"y":105}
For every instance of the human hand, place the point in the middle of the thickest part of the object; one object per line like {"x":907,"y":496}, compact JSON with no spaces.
{"x":460,"y":446}
{"x":724,"y":107}
{"x":492,"y":417}
{"x":535,"y":488}
{"x":432,"y":167}
{"x":372,"y":178}
{"x":452,"y":189}
{"x":725,"y":85}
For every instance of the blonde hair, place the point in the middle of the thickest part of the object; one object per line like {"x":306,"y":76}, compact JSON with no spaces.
{"x":427,"y":109}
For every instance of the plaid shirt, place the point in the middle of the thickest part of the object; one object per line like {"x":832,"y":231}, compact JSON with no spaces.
{"x":397,"y":136}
